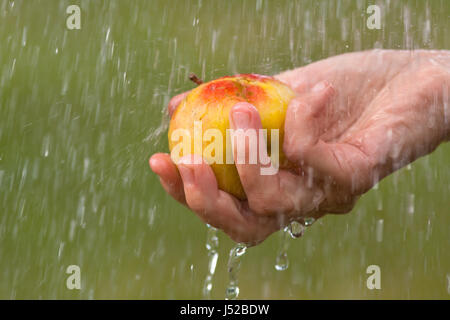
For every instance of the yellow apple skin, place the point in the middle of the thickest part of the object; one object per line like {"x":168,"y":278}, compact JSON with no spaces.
{"x":211,"y":103}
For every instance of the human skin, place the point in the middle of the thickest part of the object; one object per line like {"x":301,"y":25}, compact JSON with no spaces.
{"x":357,"y":118}
{"x":209,"y":105}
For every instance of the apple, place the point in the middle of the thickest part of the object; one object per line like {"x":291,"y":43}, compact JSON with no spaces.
{"x":201,"y":121}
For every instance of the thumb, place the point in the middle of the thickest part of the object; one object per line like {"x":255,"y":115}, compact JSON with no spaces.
{"x":306,"y":120}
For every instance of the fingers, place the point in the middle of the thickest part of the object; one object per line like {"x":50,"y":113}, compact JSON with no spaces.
{"x":346,"y":163}
{"x":307,"y":119}
{"x":199,"y":184}
{"x":175,"y":101}
{"x":260,"y":181}
{"x":195,"y":185}
{"x":170,"y":179}
{"x":269,"y":191}
{"x":275,"y":197}
{"x":219,"y":208}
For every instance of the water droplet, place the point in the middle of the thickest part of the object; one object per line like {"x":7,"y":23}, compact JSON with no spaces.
{"x":207,"y":287}
{"x":411,"y":203}
{"x":107,"y":34}
{"x":24,"y":37}
{"x":232,"y":293}
{"x":296,"y":229}
{"x":46,"y":146}
{"x":428,"y":230}
{"x":212,"y":262}
{"x":212,"y":241}
{"x":448,"y":283}
{"x":240,"y":250}
{"x":60,"y":249}
{"x":379,"y":230}
{"x":212,"y":244}
{"x":309,"y":221}
{"x":72,"y":230}
{"x":282,"y":261}
{"x":234,"y":264}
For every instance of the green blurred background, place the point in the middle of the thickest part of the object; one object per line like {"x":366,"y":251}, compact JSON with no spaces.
{"x":81,"y":111}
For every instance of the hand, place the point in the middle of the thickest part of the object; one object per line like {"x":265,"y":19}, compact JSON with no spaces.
{"x":244,"y":221}
{"x":390,"y":108}
{"x":357,"y":118}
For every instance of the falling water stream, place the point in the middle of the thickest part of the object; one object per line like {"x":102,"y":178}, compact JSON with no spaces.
{"x":212,"y":245}
{"x":282,"y":261}
{"x":234,"y":263}
{"x":295,"y":230}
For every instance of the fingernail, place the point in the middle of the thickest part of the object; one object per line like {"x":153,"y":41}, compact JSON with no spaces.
{"x":320,"y":86}
{"x":241,"y":119}
{"x":187,"y":174}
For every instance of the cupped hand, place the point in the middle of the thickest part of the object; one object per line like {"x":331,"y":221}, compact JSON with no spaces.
{"x":357,"y":118}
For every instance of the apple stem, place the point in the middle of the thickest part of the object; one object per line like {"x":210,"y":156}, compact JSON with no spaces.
{"x":195,"y":79}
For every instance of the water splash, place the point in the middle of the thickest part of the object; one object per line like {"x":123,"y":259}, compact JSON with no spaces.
{"x":234,"y":263}
{"x":212,"y":244}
